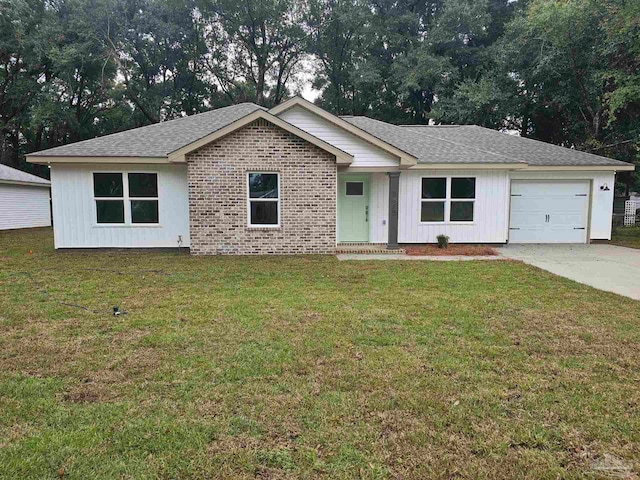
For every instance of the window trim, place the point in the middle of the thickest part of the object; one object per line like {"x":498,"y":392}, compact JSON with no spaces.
{"x":128,"y":221}
{"x":447,"y":201}
{"x":249,"y":200}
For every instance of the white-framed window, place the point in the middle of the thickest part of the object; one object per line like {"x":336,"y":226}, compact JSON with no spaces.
{"x":447,"y":199}
{"x":263,"y":199}
{"x":126,"y":198}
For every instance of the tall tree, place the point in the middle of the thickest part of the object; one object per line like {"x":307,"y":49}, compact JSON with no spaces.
{"x":263,"y":42}
{"x":338,"y":40}
{"x":22,"y":71}
{"x":160,"y":50}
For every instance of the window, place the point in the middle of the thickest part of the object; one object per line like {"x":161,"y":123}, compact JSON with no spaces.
{"x":143,"y":193}
{"x":354,"y":189}
{"x":434,"y":193}
{"x":119,"y":196}
{"x":447,"y":197}
{"x":109,"y":194}
{"x":264,"y":199}
{"x":462,"y":187}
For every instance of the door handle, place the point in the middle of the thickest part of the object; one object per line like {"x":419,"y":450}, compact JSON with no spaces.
{"x":366,"y":213}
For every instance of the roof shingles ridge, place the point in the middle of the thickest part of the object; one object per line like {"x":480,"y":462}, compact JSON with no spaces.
{"x":518,"y":140}
{"x":514,"y":160}
{"x":153,"y":126}
{"x":544,"y":144}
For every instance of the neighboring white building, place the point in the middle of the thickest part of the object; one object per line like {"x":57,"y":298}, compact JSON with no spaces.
{"x":199,"y":182}
{"x":24,"y":200}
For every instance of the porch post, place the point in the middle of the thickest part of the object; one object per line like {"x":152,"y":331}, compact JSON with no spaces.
{"x":394,"y":194}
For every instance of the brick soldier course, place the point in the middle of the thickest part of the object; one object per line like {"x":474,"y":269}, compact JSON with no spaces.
{"x":217,"y":176}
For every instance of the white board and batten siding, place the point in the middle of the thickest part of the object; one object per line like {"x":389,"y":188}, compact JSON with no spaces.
{"x":24,"y":206}
{"x":74,"y":209}
{"x":492,"y":205}
{"x":600,"y":202}
{"x":364,"y":153}
{"x":490,"y":221}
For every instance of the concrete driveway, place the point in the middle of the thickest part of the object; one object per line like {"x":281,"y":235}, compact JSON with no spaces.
{"x":607,"y":267}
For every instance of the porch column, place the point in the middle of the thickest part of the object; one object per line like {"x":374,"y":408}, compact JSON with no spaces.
{"x":394,"y":194}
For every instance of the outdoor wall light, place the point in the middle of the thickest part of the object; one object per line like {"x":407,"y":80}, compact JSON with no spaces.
{"x":604,"y":188}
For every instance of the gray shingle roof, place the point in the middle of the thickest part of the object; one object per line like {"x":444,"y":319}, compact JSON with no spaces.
{"x":534,"y":152}
{"x":426,"y":147}
{"x":9,"y":174}
{"x":461,"y":144}
{"x":157,"y":140}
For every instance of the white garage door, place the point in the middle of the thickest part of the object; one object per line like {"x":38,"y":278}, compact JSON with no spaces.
{"x":549,"y":212}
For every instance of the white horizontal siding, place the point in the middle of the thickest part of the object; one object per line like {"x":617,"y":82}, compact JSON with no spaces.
{"x":364,"y":153}
{"x":74,"y":210}
{"x":490,"y":209}
{"x":601,"y":201}
{"x":24,"y":206}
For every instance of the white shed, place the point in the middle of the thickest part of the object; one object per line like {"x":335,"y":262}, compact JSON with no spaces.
{"x":24,"y":200}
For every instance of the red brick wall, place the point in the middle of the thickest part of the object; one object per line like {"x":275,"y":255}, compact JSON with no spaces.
{"x":217,"y":175}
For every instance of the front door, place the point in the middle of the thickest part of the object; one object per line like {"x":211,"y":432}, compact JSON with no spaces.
{"x":353,"y":208}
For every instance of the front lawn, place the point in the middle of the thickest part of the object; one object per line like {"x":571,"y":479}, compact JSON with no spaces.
{"x":626,"y":237}
{"x":308,"y":367}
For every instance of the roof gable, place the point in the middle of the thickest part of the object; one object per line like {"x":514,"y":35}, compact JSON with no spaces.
{"x":179,"y":155}
{"x":406,"y":158}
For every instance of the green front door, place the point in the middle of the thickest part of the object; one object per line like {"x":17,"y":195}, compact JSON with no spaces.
{"x":353,"y":208}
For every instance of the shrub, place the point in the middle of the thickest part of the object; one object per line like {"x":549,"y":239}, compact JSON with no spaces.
{"x":443,"y":241}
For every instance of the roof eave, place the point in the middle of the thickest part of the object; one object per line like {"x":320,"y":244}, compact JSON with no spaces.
{"x":49,"y":159}
{"x":616,"y":168}
{"x":30,"y":184}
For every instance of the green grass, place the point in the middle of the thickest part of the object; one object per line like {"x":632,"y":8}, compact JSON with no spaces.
{"x":308,"y":367}
{"x":626,"y":237}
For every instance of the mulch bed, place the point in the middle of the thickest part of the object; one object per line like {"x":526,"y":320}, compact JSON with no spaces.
{"x":451,"y":250}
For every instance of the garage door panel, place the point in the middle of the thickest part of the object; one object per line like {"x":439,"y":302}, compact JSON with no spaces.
{"x":532,"y":188}
{"x":548,"y":212}
{"x":531,"y":220}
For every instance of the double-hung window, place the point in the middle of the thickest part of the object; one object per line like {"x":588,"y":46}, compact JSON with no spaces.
{"x":263,"y":202}
{"x":130,"y":198}
{"x":447,"y":199}
{"x":143,"y":195}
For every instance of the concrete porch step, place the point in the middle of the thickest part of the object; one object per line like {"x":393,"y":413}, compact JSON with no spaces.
{"x":367,"y":248}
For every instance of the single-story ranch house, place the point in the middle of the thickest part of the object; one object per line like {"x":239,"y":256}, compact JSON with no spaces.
{"x":297,"y":179}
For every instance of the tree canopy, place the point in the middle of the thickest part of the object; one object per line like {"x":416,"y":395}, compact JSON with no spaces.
{"x":562,"y":71}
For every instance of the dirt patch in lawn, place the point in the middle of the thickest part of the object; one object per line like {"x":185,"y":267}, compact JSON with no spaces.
{"x":451,"y":250}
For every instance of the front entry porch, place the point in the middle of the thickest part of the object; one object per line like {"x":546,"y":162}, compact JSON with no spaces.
{"x":367,"y":211}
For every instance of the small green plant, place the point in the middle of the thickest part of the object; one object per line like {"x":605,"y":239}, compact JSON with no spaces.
{"x":443,"y":241}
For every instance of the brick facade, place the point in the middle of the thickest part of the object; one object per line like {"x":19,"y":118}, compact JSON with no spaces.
{"x":217,"y":175}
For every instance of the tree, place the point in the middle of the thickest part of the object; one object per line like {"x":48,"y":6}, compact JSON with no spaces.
{"x":263,"y":42}
{"x":160,"y":50}
{"x":21,"y":71}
